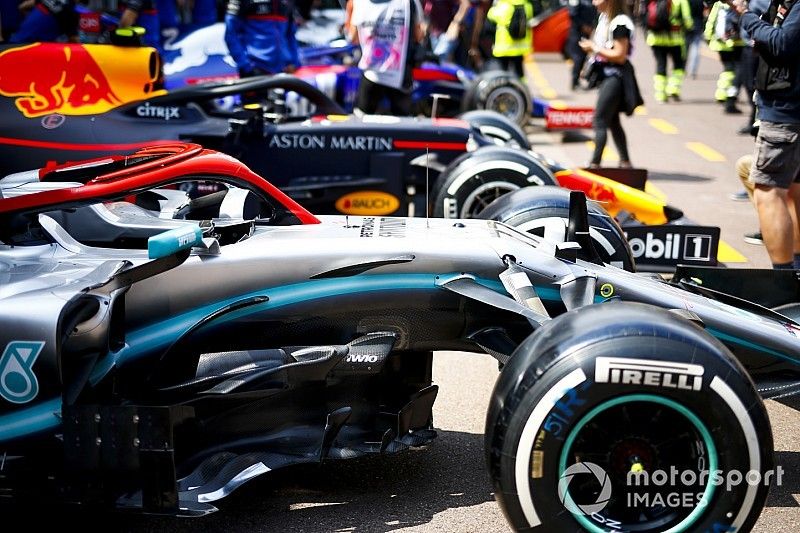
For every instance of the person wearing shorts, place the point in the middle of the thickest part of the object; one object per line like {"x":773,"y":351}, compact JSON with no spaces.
{"x":776,"y":160}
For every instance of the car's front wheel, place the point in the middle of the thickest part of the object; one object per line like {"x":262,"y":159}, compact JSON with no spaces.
{"x":476,"y":179}
{"x":544,"y":212}
{"x":625,"y":417}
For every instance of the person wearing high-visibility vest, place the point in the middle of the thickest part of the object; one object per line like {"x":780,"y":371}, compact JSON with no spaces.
{"x":667,"y":39}
{"x":508,"y":50}
{"x":724,"y":37}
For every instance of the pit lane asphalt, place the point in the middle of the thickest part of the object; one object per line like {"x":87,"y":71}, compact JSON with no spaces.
{"x":446,"y":487}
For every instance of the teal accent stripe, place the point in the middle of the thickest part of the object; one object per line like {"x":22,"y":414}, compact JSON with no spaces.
{"x":713,"y":458}
{"x":725,"y":337}
{"x":160,"y":335}
{"x":40,"y":417}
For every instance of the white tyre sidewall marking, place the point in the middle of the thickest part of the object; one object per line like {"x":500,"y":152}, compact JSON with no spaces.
{"x":526,"y":441}
{"x":751,"y":437}
{"x":482,"y":167}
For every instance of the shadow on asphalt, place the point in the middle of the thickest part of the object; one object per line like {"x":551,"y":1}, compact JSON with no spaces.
{"x":782,"y":496}
{"x":376,"y":494}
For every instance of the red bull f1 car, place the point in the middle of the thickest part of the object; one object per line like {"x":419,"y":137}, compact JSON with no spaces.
{"x":160,"y":350}
{"x":330,"y":162}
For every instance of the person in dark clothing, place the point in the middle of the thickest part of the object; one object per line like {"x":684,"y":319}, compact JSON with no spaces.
{"x":10,"y":18}
{"x":610,"y":46}
{"x":776,"y":161}
{"x":142,"y":13}
{"x":582,"y":16}
{"x":694,"y":37}
{"x":260,"y":35}
{"x":49,"y":20}
{"x":746,"y":75}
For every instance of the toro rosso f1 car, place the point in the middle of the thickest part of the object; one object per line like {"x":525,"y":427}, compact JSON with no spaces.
{"x":158,"y":350}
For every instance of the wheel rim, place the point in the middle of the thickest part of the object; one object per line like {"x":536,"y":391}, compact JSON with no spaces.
{"x":484,"y":195}
{"x":508,"y":102}
{"x":653,"y":447}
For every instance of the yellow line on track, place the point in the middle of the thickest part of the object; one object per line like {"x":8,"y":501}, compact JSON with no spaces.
{"x":663,"y":126}
{"x":728,"y":254}
{"x":706,"y":152}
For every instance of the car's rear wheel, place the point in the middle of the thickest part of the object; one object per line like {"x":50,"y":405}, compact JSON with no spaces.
{"x":474,"y":180}
{"x":625,"y":417}
{"x":501,"y":91}
{"x":544,"y":211}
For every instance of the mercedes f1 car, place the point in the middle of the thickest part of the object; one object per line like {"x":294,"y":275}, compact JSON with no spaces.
{"x":159,"y":350}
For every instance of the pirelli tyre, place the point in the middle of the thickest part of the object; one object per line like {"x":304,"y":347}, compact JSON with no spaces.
{"x":476,"y":179}
{"x":544,"y":211}
{"x":625,"y":417}
{"x":497,"y":128}
{"x":501,"y":91}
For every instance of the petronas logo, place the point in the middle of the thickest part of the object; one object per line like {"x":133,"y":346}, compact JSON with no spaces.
{"x":18,"y":383}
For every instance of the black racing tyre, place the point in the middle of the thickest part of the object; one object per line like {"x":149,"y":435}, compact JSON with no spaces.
{"x":791,"y":310}
{"x":501,"y":91}
{"x":476,"y":179}
{"x":497,"y":128}
{"x":544,"y":211}
{"x":600,"y":404}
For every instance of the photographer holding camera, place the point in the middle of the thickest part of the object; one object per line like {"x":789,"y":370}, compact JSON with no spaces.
{"x":776,"y":162}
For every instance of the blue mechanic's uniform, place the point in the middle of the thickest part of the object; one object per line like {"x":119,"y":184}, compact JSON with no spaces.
{"x":204,"y":13}
{"x":260,"y":35}
{"x":47,"y":21}
{"x":147,"y":18}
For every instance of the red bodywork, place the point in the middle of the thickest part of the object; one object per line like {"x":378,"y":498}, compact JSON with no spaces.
{"x":550,"y":35}
{"x":172,"y":162}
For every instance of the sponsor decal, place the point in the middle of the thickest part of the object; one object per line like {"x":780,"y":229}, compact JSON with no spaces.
{"x":158,"y":111}
{"x":89,"y":22}
{"x":367,"y":203}
{"x":564,"y":119}
{"x":672,"y":244}
{"x":71,"y":79}
{"x":383,"y":227}
{"x":649,"y":372}
{"x":606,"y":290}
{"x":307,"y":141}
{"x":361,"y":358}
{"x":51,"y":122}
{"x":18,"y":383}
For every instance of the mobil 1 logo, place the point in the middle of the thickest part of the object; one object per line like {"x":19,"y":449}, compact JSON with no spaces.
{"x":667,"y":246}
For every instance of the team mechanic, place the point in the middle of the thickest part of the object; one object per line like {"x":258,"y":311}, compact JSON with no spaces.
{"x":776,"y":163}
{"x":260,"y":36}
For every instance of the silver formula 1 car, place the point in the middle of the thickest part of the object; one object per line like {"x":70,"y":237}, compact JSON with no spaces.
{"x":162,"y":346}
